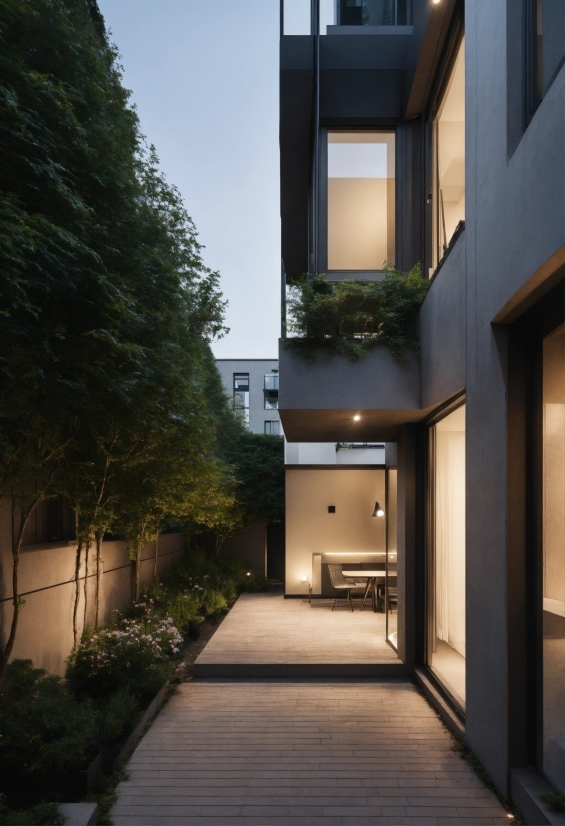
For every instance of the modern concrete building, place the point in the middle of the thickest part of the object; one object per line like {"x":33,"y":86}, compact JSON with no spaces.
{"x":253,"y":384}
{"x":433,"y":132}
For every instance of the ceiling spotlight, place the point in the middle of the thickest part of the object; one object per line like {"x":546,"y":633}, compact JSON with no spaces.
{"x":378,"y":510}
{"x":356,"y":418}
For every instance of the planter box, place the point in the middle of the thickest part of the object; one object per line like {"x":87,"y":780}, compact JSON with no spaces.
{"x":110,"y":755}
{"x":74,"y":785}
{"x":318,"y":400}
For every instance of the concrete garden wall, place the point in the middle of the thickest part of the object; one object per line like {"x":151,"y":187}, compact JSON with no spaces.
{"x":46,"y":583}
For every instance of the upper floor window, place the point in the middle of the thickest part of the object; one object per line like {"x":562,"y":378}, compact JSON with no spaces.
{"x":272,"y":428}
{"x":546,"y":47}
{"x":448,"y":196}
{"x":241,"y":395}
{"x":364,"y":13}
{"x":361,"y":200}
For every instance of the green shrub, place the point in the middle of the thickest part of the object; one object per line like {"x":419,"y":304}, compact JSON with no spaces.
{"x":118,"y":715}
{"x":135,"y":656}
{"x":45,"y":814}
{"x":350,"y":318}
{"x":44,"y":730}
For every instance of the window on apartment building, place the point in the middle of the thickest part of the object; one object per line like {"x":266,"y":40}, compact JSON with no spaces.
{"x":446,"y":559}
{"x":361,"y":200}
{"x":272,"y":428}
{"x":364,"y":13}
{"x":241,"y":395}
{"x":553,"y":568}
{"x":545,"y":47}
{"x":448,"y":196}
{"x":271,"y":390}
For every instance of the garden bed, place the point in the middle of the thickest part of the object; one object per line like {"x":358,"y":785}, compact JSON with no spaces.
{"x":94,"y":717}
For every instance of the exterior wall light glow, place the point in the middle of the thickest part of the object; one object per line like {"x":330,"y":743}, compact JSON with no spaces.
{"x":435,"y":2}
{"x":248,"y":573}
{"x":378,"y":510}
{"x":356,"y":418}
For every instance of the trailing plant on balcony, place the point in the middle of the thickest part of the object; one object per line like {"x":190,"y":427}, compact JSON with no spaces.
{"x":350,"y":318}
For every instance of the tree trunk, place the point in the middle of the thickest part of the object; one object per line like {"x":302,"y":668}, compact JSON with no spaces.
{"x":77,"y":592}
{"x":156,"y":561}
{"x":16,"y":600}
{"x":220,"y":539}
{"x":86,"y":551}
{"x":99,"y":535}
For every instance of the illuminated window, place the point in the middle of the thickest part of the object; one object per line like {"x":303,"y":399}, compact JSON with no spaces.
{"x":361,"y":200}
{"x":449,"y":159}
{"x":554,"y":557}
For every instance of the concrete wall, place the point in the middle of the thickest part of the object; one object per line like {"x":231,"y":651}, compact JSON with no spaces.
{"x":257,"y":369}
{"x":46,"y":583}
{"x":251,"y":546}
{"x":310,"y":529}
{"x":442,"y":331}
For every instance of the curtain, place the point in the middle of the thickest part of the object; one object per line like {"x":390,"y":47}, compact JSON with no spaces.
{"x":450,"y":538}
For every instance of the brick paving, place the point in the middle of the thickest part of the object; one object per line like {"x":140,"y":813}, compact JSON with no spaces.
{"x":300,"y":752}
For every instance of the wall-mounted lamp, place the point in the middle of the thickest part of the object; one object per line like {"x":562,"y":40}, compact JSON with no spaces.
{"x":435,"y":2}
{"x":356,"y":418}
{"x":378,"y":510}
{"x":304,"y":579}
{"x":248,"y":573}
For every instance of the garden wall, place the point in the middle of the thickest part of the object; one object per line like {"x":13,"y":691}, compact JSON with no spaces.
{"x":46,"y":577}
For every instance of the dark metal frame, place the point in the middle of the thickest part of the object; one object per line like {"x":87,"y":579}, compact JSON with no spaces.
{"x":447,"y":63}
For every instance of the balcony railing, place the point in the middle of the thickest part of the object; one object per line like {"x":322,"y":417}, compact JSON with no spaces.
{"x":271,"y":382}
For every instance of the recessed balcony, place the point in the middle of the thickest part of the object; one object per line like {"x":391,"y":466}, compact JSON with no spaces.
{"x":335,"y":399}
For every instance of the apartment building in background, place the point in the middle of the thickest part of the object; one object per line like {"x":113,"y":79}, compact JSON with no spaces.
{"x":433,"y":132}
{"x":253,"y":387}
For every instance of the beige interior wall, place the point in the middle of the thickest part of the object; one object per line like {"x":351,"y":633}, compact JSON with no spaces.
{"x":357,"y":223}
{"x":310,"y":529}
{"x":46,"y":583}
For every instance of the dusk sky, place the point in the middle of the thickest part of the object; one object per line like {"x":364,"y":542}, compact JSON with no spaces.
{"x":204,"y":77}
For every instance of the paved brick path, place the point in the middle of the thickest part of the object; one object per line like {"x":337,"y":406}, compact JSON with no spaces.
{"x":300,"y":752}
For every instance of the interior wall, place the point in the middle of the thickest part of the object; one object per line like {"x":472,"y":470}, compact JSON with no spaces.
{"x":310,"y":529}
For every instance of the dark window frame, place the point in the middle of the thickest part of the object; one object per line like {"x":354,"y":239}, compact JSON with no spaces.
{"x":446,"y":65}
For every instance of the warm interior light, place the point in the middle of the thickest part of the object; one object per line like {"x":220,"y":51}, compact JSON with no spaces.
{"x":435,"y":2}
{"x":304,"y":579}
{"x":378,"y":510}
{"x":356,"y":418}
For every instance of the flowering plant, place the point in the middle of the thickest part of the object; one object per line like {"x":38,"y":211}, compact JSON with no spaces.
{"x":135,"y":653}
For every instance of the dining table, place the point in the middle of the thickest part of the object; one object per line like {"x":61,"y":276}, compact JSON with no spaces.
{"x":371,"y":576}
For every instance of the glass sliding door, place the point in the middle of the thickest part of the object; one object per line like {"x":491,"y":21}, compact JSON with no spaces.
{"x":391,"y":560}
{"x":553,"y":575}
{"x":446,"y":598}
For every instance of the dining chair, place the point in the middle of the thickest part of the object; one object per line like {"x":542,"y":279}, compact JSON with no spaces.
{"x":342,"y":583}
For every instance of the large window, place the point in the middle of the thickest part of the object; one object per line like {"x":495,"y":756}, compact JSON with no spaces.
{"x":361,"y":200}
{"x":553,"y":650}
{"x":446,"y":640}
{"x":449,"y":159}
{"x":546,"y":47}
{"x":241,"y":395}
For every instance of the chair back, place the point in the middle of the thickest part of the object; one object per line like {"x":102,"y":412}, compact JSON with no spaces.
{"x":336,"y":575}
